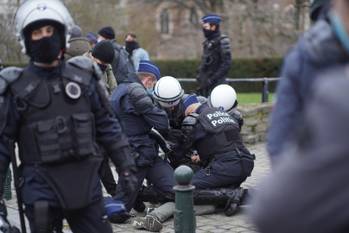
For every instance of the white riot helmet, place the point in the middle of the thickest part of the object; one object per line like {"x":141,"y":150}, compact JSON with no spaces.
{"x":223,"y":96}
{"x":168,"y":91}
{"x":34,"y":11}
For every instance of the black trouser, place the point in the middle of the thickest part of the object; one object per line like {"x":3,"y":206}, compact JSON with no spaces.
{"x":86,"y":220}
{"x":223,"y":172}
{"x":160,"y":174}
{"x":107,"y":177}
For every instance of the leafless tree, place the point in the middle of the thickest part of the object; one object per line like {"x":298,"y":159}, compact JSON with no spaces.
{"x":301,"y":13}
{"x":205,"y":6}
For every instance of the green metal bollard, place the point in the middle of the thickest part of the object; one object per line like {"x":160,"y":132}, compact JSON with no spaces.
{"x":184,"y":219}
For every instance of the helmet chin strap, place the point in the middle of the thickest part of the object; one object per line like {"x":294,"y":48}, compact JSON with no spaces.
{"x":24,"y":50}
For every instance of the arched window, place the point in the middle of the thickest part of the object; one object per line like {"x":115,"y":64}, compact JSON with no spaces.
{"x":165,"y":22}
{"x":194,"y":18}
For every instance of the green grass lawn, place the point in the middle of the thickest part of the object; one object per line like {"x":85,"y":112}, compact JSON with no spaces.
{"x":252,"y":98}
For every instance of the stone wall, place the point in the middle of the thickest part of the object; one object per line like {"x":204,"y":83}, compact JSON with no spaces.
{"x":256,"y":119}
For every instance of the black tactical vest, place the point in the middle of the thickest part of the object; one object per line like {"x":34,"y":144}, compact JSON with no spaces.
{"x":212,"y":57}
{"x":222,"y":133}
{"x":56,"y":120}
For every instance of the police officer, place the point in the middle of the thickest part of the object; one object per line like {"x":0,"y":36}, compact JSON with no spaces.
{"x":215,"y":135}
{"x":56,"y":112}
{"x":138,"y":115}
{"x":224,"y":97}
{"x":216,"y":58}
{"x":169,"y":95}
{"x":226,"y":162}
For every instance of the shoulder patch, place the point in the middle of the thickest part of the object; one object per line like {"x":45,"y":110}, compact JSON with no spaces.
{"x":8,"y":76}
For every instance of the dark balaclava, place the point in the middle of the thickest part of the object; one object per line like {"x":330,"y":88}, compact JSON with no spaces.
{"x":47,"y":49}
{"x":130,"y":46}
{"x":209,"y":34}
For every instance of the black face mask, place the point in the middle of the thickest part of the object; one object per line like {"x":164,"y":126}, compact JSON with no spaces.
{"x":103,"y":67}
{"x":45,"y":50}
{"x":208,"y":33}
{"x":130,"y":46}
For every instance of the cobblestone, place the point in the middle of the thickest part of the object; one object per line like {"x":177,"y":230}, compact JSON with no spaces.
{"x":214,"y":223}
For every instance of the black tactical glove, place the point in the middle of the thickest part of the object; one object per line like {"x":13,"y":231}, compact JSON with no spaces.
{"x":130,"y":179}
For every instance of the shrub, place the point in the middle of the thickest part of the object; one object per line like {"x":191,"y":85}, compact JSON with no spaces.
{"x":241,"y":68}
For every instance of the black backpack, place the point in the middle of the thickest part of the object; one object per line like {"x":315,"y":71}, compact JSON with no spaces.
{"x":123,"y":68}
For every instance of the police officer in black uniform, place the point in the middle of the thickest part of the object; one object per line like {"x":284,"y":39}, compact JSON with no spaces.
{"x":138,"y":115}
{"x":216,"y":58}
{"x":56,"y":112}
{"x":226,"y":162}
{"x":215,"y":134}
{"x":169,"y":94}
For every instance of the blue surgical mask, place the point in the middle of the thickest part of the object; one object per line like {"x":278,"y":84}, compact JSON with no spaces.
{"x":339,"y":30}
{"x":150,"y":90}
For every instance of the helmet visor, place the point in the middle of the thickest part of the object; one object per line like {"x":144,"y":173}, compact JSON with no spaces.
{"x":169,"y":104}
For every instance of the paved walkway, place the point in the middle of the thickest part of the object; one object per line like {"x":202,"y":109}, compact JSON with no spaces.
{"x":214,"y":223}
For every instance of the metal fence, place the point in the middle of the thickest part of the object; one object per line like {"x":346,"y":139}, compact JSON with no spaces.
{"x":265,"y":82}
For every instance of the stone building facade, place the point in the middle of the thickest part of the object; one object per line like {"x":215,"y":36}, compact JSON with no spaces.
{"x":258,"y":28}
{"x":170,"y":29}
